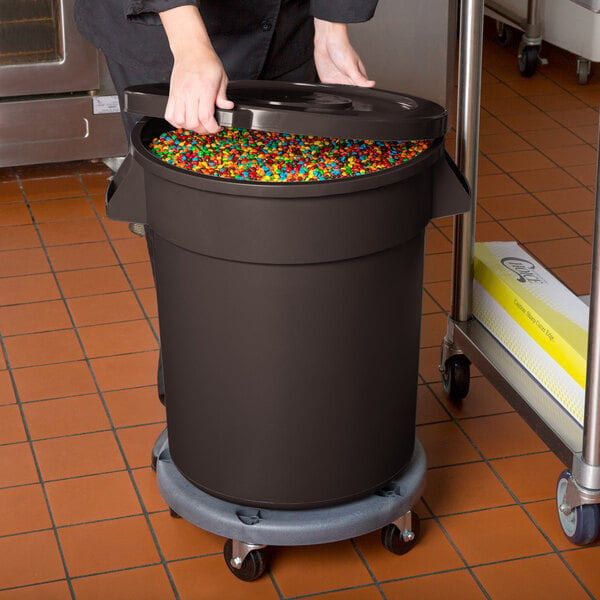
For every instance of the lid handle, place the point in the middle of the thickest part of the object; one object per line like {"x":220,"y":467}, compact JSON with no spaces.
{"x":151,"y":100}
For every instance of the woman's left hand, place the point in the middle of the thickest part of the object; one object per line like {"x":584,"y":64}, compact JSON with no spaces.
{"x":335,"y":58}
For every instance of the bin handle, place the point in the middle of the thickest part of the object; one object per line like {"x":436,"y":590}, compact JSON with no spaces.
{"x":451,"y":190}
{"x":125,"y":197}
{"x":151,"y":100}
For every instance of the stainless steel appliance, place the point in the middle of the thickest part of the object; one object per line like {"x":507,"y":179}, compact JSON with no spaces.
{"x":410,"y":47}
{"x":57,"y":102}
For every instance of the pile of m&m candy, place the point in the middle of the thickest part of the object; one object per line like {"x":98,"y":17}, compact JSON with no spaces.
{"x":252,"y":155}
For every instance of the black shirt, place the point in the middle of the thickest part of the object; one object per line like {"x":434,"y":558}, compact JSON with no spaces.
{"x":254,"y":38}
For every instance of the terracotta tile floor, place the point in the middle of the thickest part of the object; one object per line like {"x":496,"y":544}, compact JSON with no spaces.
{"x":81,"y":514}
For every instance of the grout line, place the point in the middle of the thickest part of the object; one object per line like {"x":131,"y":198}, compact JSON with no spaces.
{"x":84,"y":359}
{"x":41,"y":481}
{"x":122,"y":265}
{"x":37,"y":400}
{"x":32,"y":586}
{"x":109,"y":416}
{"x":86,"y":394}
{"x":133,"y":470}
{"x":533,"y":147}
{"x":368,"y":567}
{"x":70,"y":478}
{"x":188,"y":558}
{"x":521,"y":505}
{"x":75,"y":173}
{"x":82,"y":326}
{"x":552,"y":213}
{"x":95,"y":268}
{"x":83,"y":433}
{"x":78,"y":524}
{"x":336,"y":591}
{"x":425,"y":575}
{"x":274,"y":582}
{"x":456,"y":549}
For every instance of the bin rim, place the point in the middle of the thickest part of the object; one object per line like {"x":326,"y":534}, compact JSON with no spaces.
{"x":309,"y":189}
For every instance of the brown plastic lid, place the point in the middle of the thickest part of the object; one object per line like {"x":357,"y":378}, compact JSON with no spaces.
{"x":334,"y":111}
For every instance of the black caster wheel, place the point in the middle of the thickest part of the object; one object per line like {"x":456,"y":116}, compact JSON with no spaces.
{"x":174,"y":514}
{"x":528,"y":60}
{"x":153,"y":462}
{"x":582,"y":524}
{"x":393,"y":540}
{"x":253,"y":566}
{"x":456,"y":377}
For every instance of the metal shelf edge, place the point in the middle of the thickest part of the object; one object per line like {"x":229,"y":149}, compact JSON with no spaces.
{"x":544,"y":414}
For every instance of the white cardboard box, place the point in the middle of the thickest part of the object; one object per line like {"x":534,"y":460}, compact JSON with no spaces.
{"x":535,"y":317}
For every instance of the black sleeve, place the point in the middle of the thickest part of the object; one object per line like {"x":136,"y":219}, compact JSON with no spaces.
{"x":343,"y":11}
{"x":146,"y":11}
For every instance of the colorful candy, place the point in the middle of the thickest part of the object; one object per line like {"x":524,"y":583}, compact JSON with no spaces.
{"x":252,"y":155}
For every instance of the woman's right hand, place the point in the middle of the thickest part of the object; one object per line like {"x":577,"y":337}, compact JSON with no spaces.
{"x":198,"y":79}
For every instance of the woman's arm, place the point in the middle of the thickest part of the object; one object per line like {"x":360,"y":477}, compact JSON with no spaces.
{"x":198,"y":80}
{"x":335,"y":58}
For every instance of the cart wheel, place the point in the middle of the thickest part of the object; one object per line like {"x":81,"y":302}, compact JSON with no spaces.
{"x":154,"y":462}
{"x":174,"y":514}
{"x":582,"y":525}
{"x":528,"y":60}
{"x":505,"y":34}
{"x":583,"y":70}
{"x":252,"y":568}
{"x":456,"y":377}
{"x":393,"y":541}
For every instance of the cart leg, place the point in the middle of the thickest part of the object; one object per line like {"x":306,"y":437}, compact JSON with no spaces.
{"x":584,"y":67}
{"x":578,"y":494}
{"x":504,"y":33}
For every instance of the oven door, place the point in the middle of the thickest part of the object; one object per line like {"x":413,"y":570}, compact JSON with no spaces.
{"x":41,"y":51}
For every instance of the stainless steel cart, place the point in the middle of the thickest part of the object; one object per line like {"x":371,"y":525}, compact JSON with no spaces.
{"x":572,"y":25}
{"x":467,"y":342}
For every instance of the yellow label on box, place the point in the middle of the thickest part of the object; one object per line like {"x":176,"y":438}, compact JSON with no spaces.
{"x":547,"y":311}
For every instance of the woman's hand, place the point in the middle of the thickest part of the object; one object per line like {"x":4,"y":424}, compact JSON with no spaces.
{"x":198,"y":80}
{"x":335,"y":58}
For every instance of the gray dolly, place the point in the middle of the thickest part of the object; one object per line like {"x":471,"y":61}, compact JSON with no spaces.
{"x":249,"y":530}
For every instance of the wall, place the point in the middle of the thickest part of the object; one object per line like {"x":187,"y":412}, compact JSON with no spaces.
{"x":409,"y":46}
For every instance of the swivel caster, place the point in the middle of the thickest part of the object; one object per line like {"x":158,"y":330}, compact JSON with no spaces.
{"x":246,"y":561}
{"x":401,"y":539}
{"x":456,"y":377}
{"x":528,"y":60}
{"x":580,"y":524}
